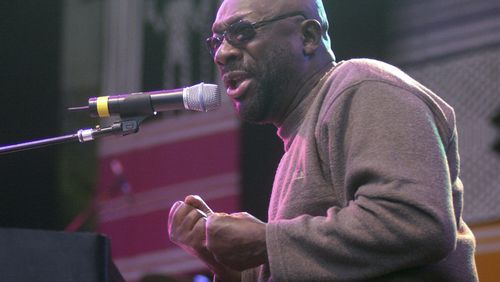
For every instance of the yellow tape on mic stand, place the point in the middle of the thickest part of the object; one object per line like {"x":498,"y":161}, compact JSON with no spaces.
{"x":102,"y":106}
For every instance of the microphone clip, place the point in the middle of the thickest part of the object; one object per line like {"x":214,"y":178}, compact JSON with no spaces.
{"x":121,"y":127}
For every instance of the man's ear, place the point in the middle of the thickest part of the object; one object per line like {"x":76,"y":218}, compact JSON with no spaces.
{"x":311,"y":34}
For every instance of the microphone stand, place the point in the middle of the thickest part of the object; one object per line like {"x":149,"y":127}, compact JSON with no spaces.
{"x":121,"y":127}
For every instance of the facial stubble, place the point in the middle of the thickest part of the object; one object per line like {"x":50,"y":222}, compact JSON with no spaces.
{"x":274,"y":75}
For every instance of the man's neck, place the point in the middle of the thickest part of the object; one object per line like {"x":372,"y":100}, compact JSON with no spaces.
{"x":305,"y":89}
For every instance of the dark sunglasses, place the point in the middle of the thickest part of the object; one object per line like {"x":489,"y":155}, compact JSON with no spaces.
{"x":241,"y":32}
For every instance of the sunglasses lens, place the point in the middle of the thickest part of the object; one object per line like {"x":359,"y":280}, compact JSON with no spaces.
{"x":240,"y":33}
{"x":213,"y":43}
{"x":237,"y":35}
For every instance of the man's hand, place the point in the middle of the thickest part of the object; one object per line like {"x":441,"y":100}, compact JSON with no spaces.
{"x":237,"y":240}
{"x":186,"y":228}
{"x":186,"y":225}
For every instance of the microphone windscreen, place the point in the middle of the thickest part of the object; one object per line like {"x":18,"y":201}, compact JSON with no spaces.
{"x":202,"y":97}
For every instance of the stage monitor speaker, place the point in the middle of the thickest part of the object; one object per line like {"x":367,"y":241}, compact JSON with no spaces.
{"x":41,"y":256}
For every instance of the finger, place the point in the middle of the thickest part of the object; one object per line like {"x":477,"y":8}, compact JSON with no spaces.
{"x":170,"y":222}
{"x":173,"y":210}
{"x":177,"y":216}
{"x":197,"y":202}
{"x":192,"y":218}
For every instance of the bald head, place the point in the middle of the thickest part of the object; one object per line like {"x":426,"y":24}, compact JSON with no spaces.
{"x":259,"y":10}
{"x":270,"y":54}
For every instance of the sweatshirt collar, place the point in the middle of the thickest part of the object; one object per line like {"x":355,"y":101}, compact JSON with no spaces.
{"x":288,"y":129}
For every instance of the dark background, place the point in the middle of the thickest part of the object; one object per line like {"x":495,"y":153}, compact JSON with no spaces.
{"x":29,"y":85}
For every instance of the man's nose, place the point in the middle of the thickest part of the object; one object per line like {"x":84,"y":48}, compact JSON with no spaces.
{"x":226,"y":53}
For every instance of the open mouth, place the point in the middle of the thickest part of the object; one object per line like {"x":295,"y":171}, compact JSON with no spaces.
{"x":233,"y":83}
{"x":234,"y":79}
{"x":236,"y":83}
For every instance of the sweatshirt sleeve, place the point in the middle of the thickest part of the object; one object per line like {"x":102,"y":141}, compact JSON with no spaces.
{"x":383,"y":146}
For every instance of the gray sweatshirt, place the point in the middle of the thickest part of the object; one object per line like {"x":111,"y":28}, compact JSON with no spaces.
{"x":368,"y":187}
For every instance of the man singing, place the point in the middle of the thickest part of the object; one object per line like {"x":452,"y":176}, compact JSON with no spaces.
{"x":368,"y":187}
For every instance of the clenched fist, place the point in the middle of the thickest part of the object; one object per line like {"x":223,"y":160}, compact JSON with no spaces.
{"x":186,"y":228}
{"x":186,"y":225}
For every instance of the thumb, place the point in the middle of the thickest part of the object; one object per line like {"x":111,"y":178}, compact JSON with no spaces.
{"x":197,"y":202}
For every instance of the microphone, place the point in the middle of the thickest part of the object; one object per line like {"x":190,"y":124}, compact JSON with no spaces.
{"x":201,"y":97}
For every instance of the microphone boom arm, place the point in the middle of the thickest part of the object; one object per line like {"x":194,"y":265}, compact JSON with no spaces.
{"x":121,"y":127}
